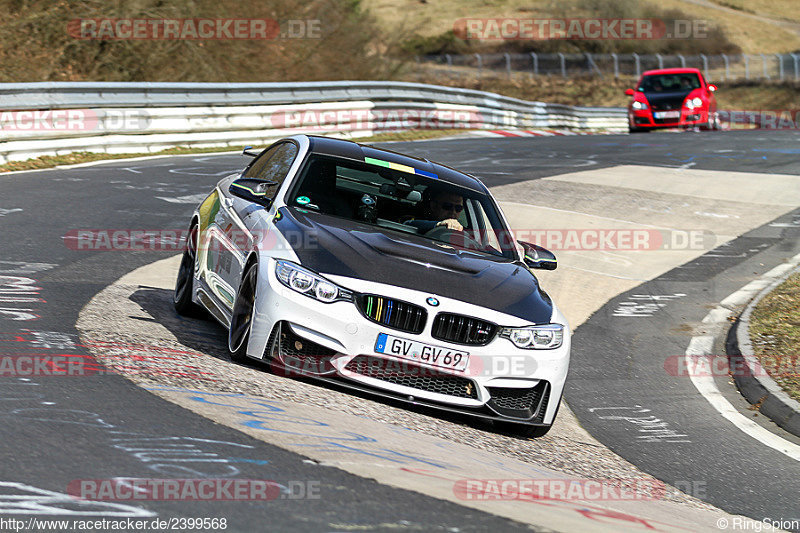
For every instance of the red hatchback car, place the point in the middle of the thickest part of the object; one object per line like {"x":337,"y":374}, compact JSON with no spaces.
{"x":672,"y":98}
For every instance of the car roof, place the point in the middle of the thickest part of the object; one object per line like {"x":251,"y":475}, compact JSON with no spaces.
{"x":672,"y":71}
{"x":353,"y":150}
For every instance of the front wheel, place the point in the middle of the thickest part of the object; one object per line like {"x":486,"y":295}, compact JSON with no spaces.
{"x":716,"y":124}
{"x":713,"y":123}
{"x":242,"y":315}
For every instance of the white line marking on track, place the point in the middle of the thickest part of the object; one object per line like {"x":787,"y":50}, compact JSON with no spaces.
{"x":605,"y":274}
{"x":21,"y":499}
{"x":714,"y":215}
{"x":189,"y":199}
{"x":705,"y":384}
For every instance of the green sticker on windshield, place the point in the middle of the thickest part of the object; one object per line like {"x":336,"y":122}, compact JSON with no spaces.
{"x":303,"y":200}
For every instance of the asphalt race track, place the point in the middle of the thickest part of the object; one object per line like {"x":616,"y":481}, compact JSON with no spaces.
{"x":58,"y":429}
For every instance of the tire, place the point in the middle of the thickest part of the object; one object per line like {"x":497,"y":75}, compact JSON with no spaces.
{"x":184,"y":285}
{"x":242,"y":315}
{"x":712,"y":124}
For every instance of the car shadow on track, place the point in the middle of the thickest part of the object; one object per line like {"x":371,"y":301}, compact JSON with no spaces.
{"x":206,"y":336}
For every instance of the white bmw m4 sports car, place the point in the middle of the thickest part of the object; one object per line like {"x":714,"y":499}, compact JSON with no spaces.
{"x":382,"y":272}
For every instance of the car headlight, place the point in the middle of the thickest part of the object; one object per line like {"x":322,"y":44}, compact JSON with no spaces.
{"x":639,"y":105}
{"x":691,"y":103}
{"x":546,"y":337}
{"x":309,"y":283}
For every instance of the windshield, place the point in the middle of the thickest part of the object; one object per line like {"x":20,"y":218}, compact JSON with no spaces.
{"x":669,"y":83}
{"x":402,"y":202}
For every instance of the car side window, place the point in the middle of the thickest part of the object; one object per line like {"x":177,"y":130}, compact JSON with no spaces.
{"x":274,"y":164}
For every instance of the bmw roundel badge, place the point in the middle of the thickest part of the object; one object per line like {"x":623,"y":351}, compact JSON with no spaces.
{"x":432,"y":301}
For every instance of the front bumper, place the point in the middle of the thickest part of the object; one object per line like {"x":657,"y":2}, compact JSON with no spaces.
{"x":501,"y":382}
{"x":644,"y":119}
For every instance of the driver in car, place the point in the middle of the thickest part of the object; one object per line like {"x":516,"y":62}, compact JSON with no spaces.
{"x":442,"y":209}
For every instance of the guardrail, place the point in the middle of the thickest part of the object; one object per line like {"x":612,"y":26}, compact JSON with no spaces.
{"x":56,"y":118}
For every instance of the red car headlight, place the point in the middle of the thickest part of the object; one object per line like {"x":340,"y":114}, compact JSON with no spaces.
{"x":693,"y":103}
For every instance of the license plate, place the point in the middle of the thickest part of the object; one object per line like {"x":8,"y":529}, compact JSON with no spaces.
{"x":421,"y":353}
{"x":667,"y":114}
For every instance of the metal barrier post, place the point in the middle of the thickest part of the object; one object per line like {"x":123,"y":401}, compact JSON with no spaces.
{"x":449,"y":60}
{"x":795,"y":57}
{"x":563,"y":65}
{"x":508,"y":64}
{"x":764,"y":66}
{"x":638,"y":64}
{"x":590,"y":64}
{"x":480,"y":65}
{"x":683,"y":61}
{"x":705,"y":66}
{"x":727,"y":67}
{"x":535,"y":63}
{"x":780,"y":66}
{"x":616,"y":66}
{"x":660,"y":61}
{"x":746,"y":66}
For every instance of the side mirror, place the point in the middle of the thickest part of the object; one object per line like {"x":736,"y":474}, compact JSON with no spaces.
{"x":538,"y":257}
{"x":712,"y":87}
{"x":248,"y":151}
{"x":252,"y":189}
{"x":629,"y":92}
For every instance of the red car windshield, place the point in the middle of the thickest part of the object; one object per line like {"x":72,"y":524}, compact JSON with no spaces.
{"x":669,"y":83}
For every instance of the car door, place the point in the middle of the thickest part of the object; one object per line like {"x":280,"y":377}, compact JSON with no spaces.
{"x":233,"y":238}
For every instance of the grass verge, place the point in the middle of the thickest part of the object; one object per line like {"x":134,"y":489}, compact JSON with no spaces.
{"x":775,"y":334}
{"x":48,"y":161}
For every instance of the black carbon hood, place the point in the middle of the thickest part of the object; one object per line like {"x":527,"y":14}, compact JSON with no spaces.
{"x":336,"y":246}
